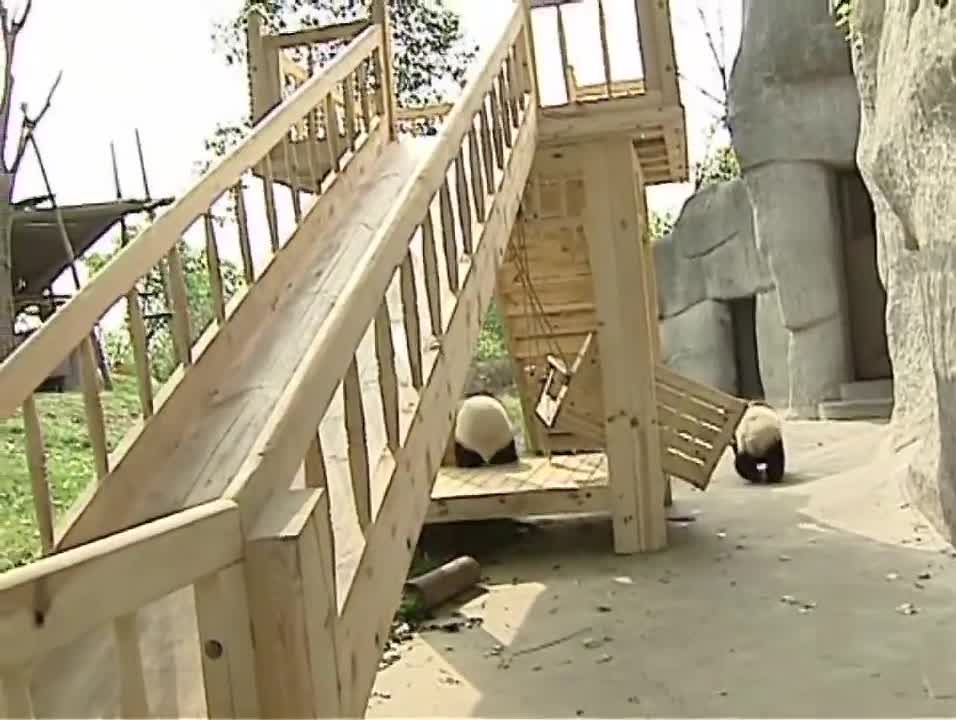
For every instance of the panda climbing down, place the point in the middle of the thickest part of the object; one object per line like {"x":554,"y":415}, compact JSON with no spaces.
{"x":483,"y":433}
{"x":757,"y":441}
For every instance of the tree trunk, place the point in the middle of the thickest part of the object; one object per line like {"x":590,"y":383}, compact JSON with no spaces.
{"x":7,"y":337}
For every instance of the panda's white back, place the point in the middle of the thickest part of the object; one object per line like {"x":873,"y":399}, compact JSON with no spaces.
{"x":758,"y":430}
{"x":482,"y":425}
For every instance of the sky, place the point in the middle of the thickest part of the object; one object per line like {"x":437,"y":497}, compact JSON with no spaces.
{"x":150,"y":65}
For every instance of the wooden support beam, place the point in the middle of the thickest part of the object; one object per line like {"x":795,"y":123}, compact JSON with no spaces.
{"x":290,"y":580}
{"x":621,"y":291}
{"x":653,"y":312}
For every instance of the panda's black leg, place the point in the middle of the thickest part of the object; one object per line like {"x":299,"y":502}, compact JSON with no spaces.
{"x":466,"y":458}
{"x":746,"y":466}
{"x":775,"y":462}
{"x":506,"y":455}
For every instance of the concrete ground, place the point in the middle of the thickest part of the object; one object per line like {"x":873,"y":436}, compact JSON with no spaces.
{"x":827,"y":596}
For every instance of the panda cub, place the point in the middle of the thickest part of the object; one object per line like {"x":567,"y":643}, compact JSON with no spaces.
{"x":483,"y":433}
{"x":758,"y":440}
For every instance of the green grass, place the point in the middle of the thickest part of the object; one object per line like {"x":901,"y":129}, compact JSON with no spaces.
{"x":69,"y":459}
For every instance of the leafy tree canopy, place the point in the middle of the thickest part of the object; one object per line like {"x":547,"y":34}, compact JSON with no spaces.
{"x":718,"y":165}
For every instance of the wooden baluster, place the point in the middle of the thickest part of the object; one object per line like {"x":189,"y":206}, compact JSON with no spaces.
{"x":137,"y":332}
{"x":348,"y":89}
{"x":332,"y":132}
{"x":358,"y":450}
{"x":514,"y":87}
{"x":413,"y":334}
{"x":94,"y":409}
{"x":242,"y":222}
{"x":315,"y":474}
{"x":39,"y":479}
{"x":499,"y":94}
{"x":363,"y":89}
{"x":477,"y":180}
{"x":268,"y":191}
{"x":432,"y":281}
{"x":605,"y":50}
{"x":487,"y":152}
{"x":379,"y":81}
{"x":565,"y":65}
{"x":182,"y":333}
{"x":464,"y":203}
{"x":313,"y":145}
{"x":215,"y":271}
{"x":16,"y":691}
{"x":292,"y":172}
{"x":448,"y":237}
{"x":133,"y":703}
{"x":387,"y":379}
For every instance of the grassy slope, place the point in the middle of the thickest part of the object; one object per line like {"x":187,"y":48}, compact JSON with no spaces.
{"x":69,"y":461}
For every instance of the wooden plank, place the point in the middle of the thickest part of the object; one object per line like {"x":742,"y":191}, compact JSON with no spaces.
{"x":411,"y":322}
{"x":432,"y":280}
{"x":179,"y":307}
{"x":631,"y":435}
{"x":605,"y":50}
{"x":293,"y":609}
{"x":137,"y":332}
{"x":315,"y":473}
{"x":332,"y":133}
{"x":464,"y":203}
{"x":226,"y":644}
{"x":39,"y":478}
{"x":215,"y":271}
{"x":319,"y":35}
{"x":358,"y":449}
{"x":133,"y":701}
{"x":387,"y":85}
{"x":242,"y":223}
{"x":512,"y":504}
{"x":95,"y":422}
{"x":387,"y":379}
{"x":56,"y":600}
{"x":448,"y":237}
{"x":476,"y":178}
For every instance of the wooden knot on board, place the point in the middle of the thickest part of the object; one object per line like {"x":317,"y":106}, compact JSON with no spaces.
{"x":41,"y":602}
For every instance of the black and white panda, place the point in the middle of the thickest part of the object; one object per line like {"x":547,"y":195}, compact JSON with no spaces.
{"x":757,"y":441}
{"x":483,"y":433}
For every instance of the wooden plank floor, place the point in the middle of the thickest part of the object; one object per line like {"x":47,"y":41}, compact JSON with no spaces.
{"x":532,"y":486}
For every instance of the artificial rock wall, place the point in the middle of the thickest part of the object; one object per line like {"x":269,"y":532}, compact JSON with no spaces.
{"x":905,"y":65}
{"x":780,"y":264}
{"x":720,"y":322}
{"x":794,"y":119}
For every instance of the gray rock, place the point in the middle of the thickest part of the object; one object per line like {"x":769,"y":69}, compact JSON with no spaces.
{"x":907,"y":153}
{"x":792,"y":95}
{"x":699,"y":343}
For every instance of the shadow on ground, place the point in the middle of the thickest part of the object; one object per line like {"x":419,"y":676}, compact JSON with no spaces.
{"x":827,"y":597}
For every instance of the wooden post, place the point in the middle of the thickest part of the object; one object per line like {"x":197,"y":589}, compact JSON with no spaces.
{"x":653,"y":311}
{"x":530,"y":54}
{"x":290,"y":578}
{"x":380,"y":18}
{"x":264,"y":79}
{"x":626,"y":348}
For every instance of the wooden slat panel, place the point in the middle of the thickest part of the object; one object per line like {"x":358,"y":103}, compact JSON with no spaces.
{"x":358,"y":450}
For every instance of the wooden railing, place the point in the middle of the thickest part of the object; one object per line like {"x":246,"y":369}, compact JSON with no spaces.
{"x":652,"y":45}
{"x":418,"y":295}
{"x":295,"y":135}
{"x":53,"y":603}
{"x":420,"y":292}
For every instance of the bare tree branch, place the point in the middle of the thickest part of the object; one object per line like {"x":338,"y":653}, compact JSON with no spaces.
{"x":11,"y":30}
{"x":30,"y":123}
{"x":721,"y":102}
{"x":712,"y":46}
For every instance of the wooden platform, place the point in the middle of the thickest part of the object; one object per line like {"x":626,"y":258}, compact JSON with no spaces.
{"x":532,"y":486}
